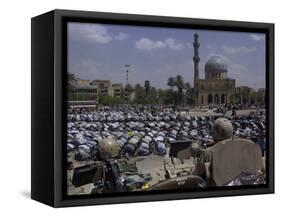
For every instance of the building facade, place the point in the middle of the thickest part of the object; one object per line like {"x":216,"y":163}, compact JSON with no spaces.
{"x":85,"y":90}
{"x":103,"y":86}
{"x":106,"y":88}
{"x":115,"y":90}
{"x":94,"y":90}
{"x":216,"y":88}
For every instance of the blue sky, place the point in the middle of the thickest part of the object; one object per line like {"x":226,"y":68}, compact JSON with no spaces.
{"x":99,"y":51}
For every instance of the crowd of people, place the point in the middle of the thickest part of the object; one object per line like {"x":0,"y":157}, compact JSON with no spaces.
{"x":143,"y":131}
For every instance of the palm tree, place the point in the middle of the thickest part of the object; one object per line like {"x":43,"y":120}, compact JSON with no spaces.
{"x":171,"y":82}
{"x":71,"y":84}
{"x":71,"y":80}
{"x":180,"y":85}
{"x":127,"y":92}
{"x":187,"y":88}
{"x":153,"y":95}
{"x":147,"y":87}
{"x":139,"y":90}
{"x":129,"y":89}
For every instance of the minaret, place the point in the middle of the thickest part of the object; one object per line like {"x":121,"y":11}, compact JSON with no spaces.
{"x":196,"y":60}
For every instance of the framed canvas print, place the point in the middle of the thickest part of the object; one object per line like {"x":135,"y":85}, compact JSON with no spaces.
{"x":133,"y":108}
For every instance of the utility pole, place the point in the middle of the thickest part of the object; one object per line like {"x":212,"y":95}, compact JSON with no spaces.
{"x":256,"y":93}
{"x":127,"y":73}
{"x":127,"y":66}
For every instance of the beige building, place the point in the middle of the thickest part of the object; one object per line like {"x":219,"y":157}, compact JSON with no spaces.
{"x":107,"y":89}
{"x":103,"y":86}
{"x":216,"y":88}
{"x":94,"y":89}
{"x":115,"y":90}
{"x":245,"y":94}
{"x":244,"y":89}
{"x":86,"y":90}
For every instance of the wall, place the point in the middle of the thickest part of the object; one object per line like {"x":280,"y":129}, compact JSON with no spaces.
{"x":15,"y":106}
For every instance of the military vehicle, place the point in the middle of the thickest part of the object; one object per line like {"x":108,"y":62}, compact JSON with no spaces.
{"x":140,"y":173}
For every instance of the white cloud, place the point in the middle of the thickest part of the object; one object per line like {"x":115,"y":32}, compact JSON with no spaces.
{"x":189,"y":45}
{"x":95,"y":33}
{"x":121,"y":36}
{"x":238,"y":50}
{"x":90,"y":32}
{"x":257,"y":37}
{"x":148,"y":44}
{"x":172,"y":44}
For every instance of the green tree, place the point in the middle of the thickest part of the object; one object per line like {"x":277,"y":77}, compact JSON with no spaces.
{"x":71,"y":85}
{"x":129,"y":88}
{"x":179,"y":82}
{"x":153,"y":96}
{"x":188,"y":93}
{"x":110,"y":100}
{"x":139,"y":94}
{"x":147,"y":88}
{"x":71,"y":81}
{"x":165,"y":96}
{"x":171,"y":82}
{"x":235,"y":98}
{"x":171,"y":96}
{"x":261,"y":94}
{"x":245,"y":95}
{"x":127,"y":92}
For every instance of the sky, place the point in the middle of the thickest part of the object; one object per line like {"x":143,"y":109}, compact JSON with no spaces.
{"x":100,"y":51}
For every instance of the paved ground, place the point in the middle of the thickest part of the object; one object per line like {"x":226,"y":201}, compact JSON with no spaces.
{"x":206,"y":113}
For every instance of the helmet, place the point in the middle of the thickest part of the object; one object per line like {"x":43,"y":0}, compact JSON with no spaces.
{"x":222,"y":129}
{"x":195,"y":149}
{"x":108,"y":148}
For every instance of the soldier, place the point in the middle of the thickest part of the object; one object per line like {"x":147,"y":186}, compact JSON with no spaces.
{"x":105,"y":172}
{"x":111,"y":173}
{"x":222,"y":129}
{"x":227,"y":157}
{"x":108,"y":151}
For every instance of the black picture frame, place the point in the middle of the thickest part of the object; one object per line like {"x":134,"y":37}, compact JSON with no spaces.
{"x":49,"y":49}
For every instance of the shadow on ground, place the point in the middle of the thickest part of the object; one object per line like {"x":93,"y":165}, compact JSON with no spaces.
{"x":25,"y":194}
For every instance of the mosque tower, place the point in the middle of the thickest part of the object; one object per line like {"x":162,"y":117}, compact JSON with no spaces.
{"x":196,"y":60}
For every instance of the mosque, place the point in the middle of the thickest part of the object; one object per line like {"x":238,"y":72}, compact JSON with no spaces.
{"x":216,"y":88}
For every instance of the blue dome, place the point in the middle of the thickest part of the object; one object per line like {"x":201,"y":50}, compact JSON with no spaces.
{"x":216,"y":64}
